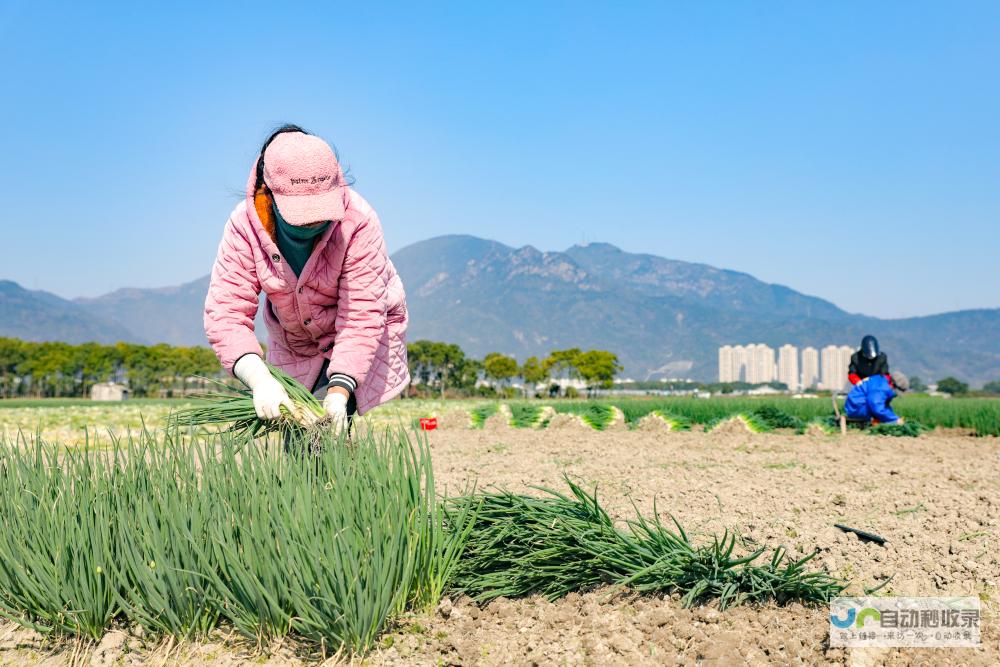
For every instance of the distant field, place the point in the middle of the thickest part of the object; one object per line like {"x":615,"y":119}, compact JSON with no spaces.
{"x":979,"y":414}
{"x":67,"y":419}
{"x":9,"y":403}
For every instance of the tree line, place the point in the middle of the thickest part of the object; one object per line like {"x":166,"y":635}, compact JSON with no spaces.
{"x":55,"y":370}
{"x":441,"y":369}
{"x":61,"y":370}
{"x":58,"y":370}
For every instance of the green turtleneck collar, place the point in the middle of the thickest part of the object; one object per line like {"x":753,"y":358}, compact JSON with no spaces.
{"x":296,"y":242}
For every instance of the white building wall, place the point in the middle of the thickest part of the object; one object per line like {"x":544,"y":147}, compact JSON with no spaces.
{"x":744,"y":361}
{"x":764,"y":360}
{"x":750,"y":353}
{"x":788,"y":366}
{"x":835,"y":360}
{"x":810,"y":367}
{"x":727,"y":364}
{"x":845,"y":361}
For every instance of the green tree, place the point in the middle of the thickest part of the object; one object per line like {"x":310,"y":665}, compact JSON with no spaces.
{"x":418,"y":358}
{"x":533,"y":372}
{"x":597,"y":368}
{"x":51,"y":369}
{"x":96,"y":363}
{"x":466,"y":375}
{"x":562,"y":363}
{"x":500,"y":368}
{"x":992,"y":387}
{"x":950,"y":385}
{"x":451,"y":362}
{"x":13,"y":352}
{"x":202,"y":363}
{"x":143,"y":368}
{"x":54,"y":369}
{"x":437,"y":365}
{"x":916,"y":384}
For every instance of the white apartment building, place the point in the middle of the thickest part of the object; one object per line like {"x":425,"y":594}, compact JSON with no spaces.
{"x":810,"y":368}
{"x":729,"y":366}
{"x":744,"y":357}
{"x":788,"y":366}
{"x":755,"y":364}
{"x":835,"y":360}
{"x":736,"y":363}
{"x":845,"y":360}
{"x":763,"y":363}
{"x":752,"y":363}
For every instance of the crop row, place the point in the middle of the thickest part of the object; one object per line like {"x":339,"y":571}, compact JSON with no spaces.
{"x":980,"y":415}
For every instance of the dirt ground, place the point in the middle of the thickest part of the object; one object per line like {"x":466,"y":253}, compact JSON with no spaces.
{"x":936,"y":500}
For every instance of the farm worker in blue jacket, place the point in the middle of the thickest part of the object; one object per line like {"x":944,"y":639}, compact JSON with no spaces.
{"x":870,"y":398}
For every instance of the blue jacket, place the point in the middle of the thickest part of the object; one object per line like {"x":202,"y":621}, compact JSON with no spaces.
{"x":870,"y":400}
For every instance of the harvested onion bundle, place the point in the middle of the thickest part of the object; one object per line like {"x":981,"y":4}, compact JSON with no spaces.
{"x":235,"y":407}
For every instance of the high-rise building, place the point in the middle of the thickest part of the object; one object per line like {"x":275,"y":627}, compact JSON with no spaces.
{"x":749,"y":363}
{"x":835,"y":361}
{"x":744,"y":361}
{"x":735,"y":362}
{"x":828,"y":367}
{"x":767,"y":367}
{"x":747,"y":358}
{"x":788,"y":366}
{"x":727,"y":362}
{"x":845,"y":361}
{"x":753,"y":363}
{"x":810,"y":367}
{"x":760,"y":364}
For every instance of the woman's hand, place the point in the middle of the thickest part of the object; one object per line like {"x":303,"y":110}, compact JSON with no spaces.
{"x":335,"y":405}
{"x":268,"y":397}
{"x":268,"y":394}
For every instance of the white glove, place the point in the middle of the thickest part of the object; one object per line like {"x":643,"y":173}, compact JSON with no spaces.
{"x":335,"y":405}
{"x":268,"y":394}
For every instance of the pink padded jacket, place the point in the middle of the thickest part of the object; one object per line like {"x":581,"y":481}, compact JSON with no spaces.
{"x":348,"y":304}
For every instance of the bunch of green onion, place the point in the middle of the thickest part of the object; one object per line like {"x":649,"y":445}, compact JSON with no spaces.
{"x":753,"y":422}
{"x":180,"y":534}
{"x":235,"y":407}
{"x":557,"y":544}
{"x":908,"y":429}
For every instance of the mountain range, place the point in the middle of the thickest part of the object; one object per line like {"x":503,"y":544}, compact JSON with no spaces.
{"x":664,"y":318}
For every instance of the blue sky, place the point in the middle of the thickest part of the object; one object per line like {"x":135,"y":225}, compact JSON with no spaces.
{"x":849,"y":150}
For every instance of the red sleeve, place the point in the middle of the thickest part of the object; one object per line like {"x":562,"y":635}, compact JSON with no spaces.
{"x":854,"y":378}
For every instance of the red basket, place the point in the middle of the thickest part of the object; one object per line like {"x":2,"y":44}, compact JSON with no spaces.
{"x":428,"y":423}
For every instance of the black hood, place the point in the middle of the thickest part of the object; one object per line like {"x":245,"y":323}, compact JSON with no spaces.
{"x":869,"y":347}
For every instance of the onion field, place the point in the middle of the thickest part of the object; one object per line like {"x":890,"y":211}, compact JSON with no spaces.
{"x":978,"y":415}
{"x":181,"y":532}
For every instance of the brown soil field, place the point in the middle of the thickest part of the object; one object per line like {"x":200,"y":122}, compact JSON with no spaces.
{"x":936,"y":500}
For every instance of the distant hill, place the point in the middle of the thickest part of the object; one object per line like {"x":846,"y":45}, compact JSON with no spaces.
{"x":665,"y":318}
{"x":697,"y":283}
{"x":163,"y":315}
{"x":40,"y":316}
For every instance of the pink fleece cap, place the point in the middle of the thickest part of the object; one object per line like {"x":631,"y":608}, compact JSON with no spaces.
{"x":304,"y":178}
